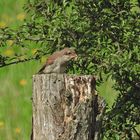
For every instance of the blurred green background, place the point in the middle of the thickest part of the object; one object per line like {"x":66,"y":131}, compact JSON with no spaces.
{"x":16,"y":81}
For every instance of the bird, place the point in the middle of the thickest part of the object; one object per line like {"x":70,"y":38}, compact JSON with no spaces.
{"x":57,"y":62}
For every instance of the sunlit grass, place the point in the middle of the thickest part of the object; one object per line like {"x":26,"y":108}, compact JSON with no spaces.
{"x":1,"y":124}
{"x":11,"y":13}
{"x":15,"y":101}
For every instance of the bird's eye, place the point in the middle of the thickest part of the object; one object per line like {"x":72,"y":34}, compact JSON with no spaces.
{"x":68,"y":53}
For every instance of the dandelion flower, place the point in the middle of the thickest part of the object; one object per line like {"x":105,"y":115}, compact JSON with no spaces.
{"x":21,"y":16}
{"x":17,"y":130}
{"x":2,"y":24}
{"x":8,"y":52}
{"x":23,"y":82}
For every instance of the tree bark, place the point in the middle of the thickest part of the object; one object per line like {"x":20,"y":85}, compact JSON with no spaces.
{"x":66,"y":107}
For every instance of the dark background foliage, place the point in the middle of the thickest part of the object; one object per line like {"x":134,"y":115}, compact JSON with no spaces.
{"x":106,"y":37}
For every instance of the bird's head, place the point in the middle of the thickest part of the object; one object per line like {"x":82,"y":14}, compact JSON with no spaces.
{"x":69,"y":53}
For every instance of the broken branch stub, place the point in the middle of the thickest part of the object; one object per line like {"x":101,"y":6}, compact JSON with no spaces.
{"x":65,"y":107}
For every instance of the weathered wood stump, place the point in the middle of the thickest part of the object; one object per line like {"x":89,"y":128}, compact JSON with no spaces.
{"x":65,"y":107}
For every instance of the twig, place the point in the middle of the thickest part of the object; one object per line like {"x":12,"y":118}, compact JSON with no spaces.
{"x":16,"y":62}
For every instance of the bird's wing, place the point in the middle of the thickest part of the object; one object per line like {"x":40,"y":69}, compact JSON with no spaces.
{"x":50,"y":60}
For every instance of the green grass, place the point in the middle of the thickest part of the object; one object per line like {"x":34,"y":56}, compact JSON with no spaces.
{"x":10,"y":10}
{"x":16,"y":85}
{"x":15,"y":101}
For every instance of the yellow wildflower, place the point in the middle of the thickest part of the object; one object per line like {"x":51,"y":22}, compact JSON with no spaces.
{"x":1,"y":124}
{"x":10,"y":42}
{"x":23,"y":82}
{"x":33,"y":51}
{"x":18,"y":130}
{"x":21,"y":16}
{"x":8,"y":52}
{"x":2,"y":24}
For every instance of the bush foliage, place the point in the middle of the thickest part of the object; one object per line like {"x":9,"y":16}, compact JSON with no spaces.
{"x":106,"y":36}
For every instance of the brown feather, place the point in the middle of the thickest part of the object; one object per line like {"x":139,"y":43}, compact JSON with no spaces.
{"x":53,"y":57}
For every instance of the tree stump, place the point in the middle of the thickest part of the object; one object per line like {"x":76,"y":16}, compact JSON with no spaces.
{"x":65,"y":107}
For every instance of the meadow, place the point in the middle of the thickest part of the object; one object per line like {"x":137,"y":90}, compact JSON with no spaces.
{"x":16,"y":82}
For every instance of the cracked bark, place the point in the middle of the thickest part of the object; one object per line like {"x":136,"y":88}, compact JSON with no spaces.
{"x":66,"y":107}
